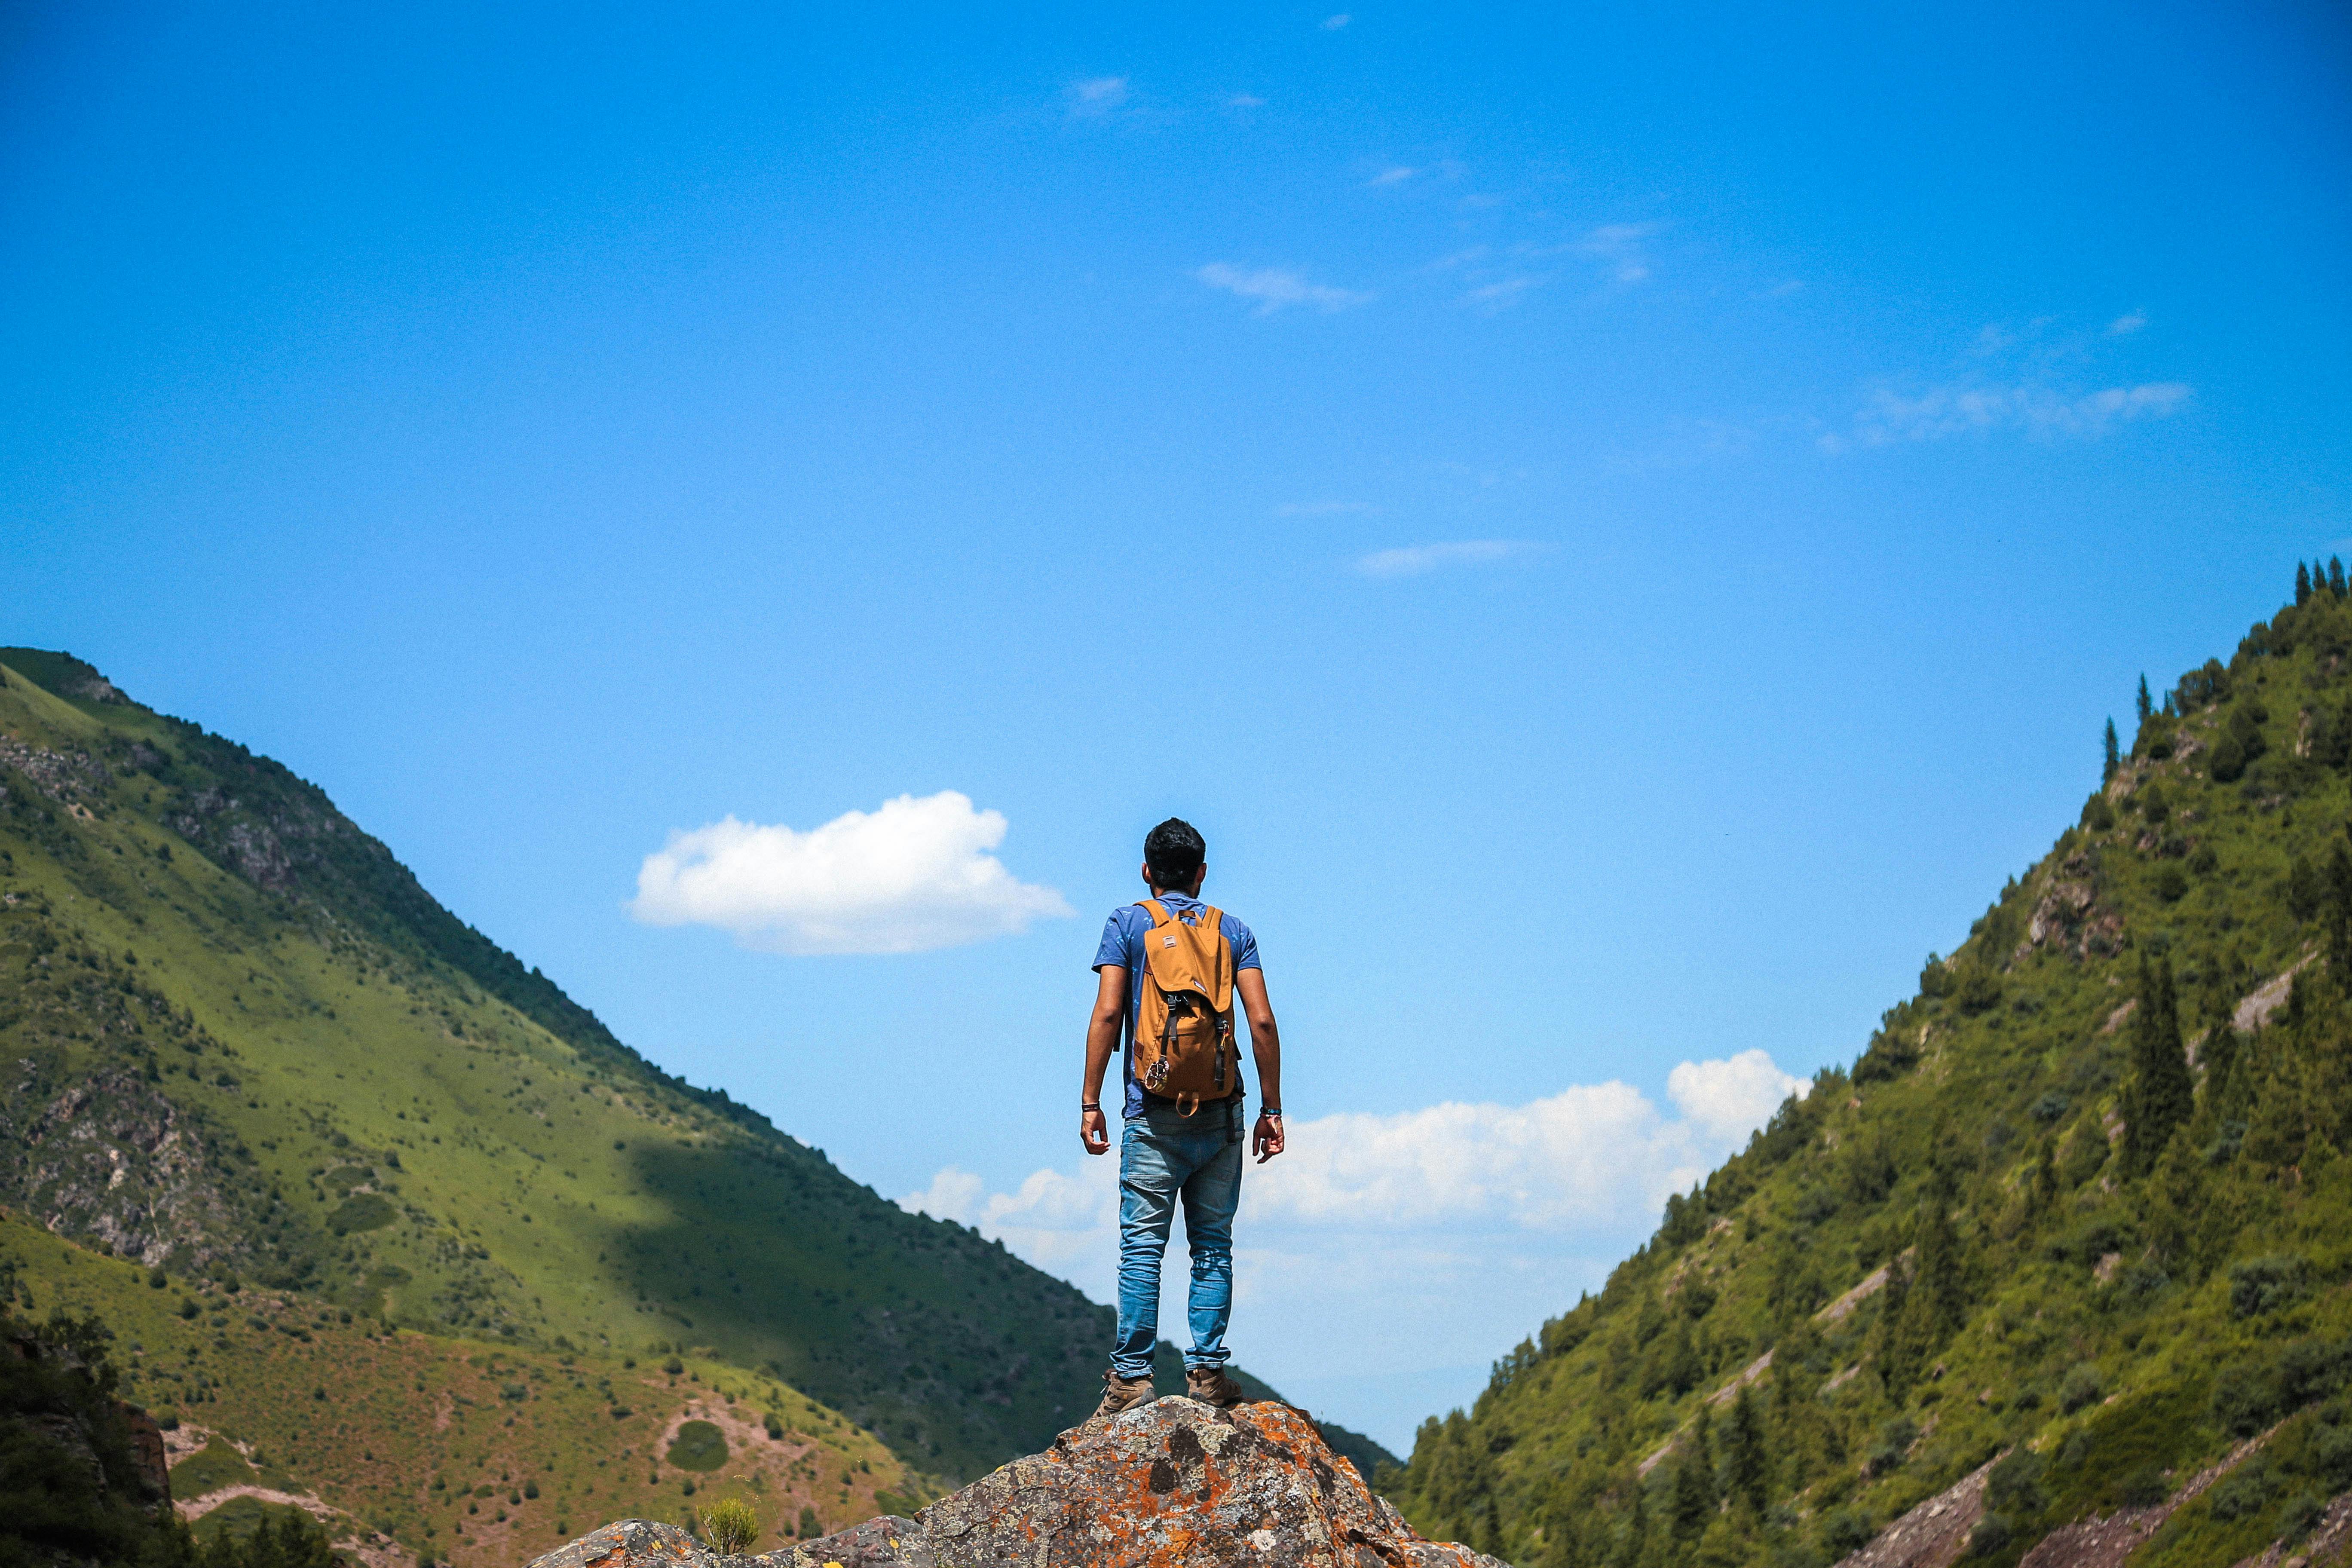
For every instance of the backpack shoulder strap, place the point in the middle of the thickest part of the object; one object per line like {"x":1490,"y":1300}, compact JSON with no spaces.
{"x":1156,"y":909}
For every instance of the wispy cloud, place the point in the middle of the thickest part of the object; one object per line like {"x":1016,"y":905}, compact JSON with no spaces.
{"x":1966,"y":408}
{"x":1502,"y":292}
{"x":1095,"y":96}
{"x":1417,"y":559}
{"x":2125,"y":326}
{"x":1619,"y":249}
{"x":915,"y":875}
{"x":1272,"y":288}
{"x":1336,"y":21}
{"x":1245,"y":100}
{"x":1325,"y":508}
{"x":1395,"y":174}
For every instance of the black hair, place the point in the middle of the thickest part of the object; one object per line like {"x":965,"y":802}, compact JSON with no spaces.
{"x":1172,"y":852}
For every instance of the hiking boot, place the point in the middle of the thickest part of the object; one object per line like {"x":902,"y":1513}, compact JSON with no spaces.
{"x":1210,"y":1385}
{"x":1121,"y":1394}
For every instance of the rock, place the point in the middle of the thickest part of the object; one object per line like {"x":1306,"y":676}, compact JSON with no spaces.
{"x":1173,"y":1481}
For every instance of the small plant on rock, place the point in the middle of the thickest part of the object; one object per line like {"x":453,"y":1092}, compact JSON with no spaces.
{"x":730,"y":1525}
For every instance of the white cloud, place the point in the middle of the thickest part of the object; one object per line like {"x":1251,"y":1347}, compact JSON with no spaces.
{"x":1273,"y":288}
{"x":1619,"y":248}
{"x":1356,"y":1246}
{"x":2125,"y":326}
{"x":2040,"y":410}
{"x":1245,"y":100}
{"x":1337,"y":20}
{"x":1395,"y":174}
{"x":913,"y":876}
{"x":1096,"y":95}
{"x":1414,"y":560}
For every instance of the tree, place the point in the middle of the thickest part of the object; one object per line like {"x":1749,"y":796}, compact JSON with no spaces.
{"x":2114,"y":754}
{"x":2302,"y":583}
{"x":2161,"y":1095}
{"x":2045,"y":1174}
{"x":2335,"y":575}
{"x":2339,"y":913}
{"x":1747,"y":1470}
{"x":1940,"y":1294}
{"x":1631,"y":1548}
{"x":1891,"y":1347}
{"x":2146,"y":704}
{"x":1694,"y":1494}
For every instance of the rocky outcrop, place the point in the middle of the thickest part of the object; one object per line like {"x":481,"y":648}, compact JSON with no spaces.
{"x":1932,"y":1535}
{"x":1172,"y":1481}
{"x":109,"y":1160}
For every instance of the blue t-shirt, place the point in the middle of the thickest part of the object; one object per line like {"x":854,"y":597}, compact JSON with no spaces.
{"x":1122,"y":944}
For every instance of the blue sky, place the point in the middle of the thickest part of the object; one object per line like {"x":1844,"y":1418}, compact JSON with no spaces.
{"x":1621,"y":527}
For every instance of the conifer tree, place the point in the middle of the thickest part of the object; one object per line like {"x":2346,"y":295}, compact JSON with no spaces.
{"x":1695,"y":1480}
{"x":2302,"y":583}
{"x":2146,"y":704}
{"x":1890,"y":1344}
{"x":2161,"y":1095}
{"x":2335,"y":575}
{"x":1747,"y":1470}
{"x":1940,"y":1294}
{"x":2114,"y":754}
{"x":2045,"y":1175}
{"x":2338,"y":914}
{"x":1632,"y":1547}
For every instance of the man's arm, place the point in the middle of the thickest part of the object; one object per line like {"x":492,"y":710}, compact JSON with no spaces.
{"x":1102,"y":1040}
{"x":1265,"y":1044}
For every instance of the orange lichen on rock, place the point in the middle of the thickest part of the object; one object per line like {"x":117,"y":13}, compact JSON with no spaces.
{"x":1173,"y":1482}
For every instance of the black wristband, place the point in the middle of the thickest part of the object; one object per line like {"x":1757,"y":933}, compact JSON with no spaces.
{"x":1273,"y":1111}
{"x":1083,"y":1106}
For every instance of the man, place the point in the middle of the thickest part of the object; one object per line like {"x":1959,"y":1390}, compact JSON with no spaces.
{"x":1184,"y":1103}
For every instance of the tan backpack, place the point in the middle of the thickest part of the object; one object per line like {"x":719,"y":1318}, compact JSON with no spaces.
{"x":1184,"y":1014}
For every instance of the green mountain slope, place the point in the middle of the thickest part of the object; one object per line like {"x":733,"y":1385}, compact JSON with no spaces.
{"x":452,"y":1449}
{"x":2081,"y":1203}
{"x":241,"y":1042}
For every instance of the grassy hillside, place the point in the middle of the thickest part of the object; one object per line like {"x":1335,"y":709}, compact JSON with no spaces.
{"x":2081,"y":1202}
{"x":446,"y":1447}
{"x":242,"y":1044}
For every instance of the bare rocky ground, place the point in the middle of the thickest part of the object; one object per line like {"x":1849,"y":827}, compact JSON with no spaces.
{"x":1934,"y":1534}
{"x":1172,"y":1481}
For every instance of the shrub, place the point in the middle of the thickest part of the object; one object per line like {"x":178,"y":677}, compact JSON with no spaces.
{"x":2226,"y":762}
{"x":2081,"y":1387}
{"x":2262,"y":1285}
{"x":1845,"y":1530}
{"x":2171,"y":883}
{"x":2097,"y":815}
{"x":673,"y":1366}
{"x":2051,"y":1106}
{"x":730,"y":1525}
{"x":2300,"y":1513}
{"x":2145,"y":1488}
{"x":1993,"y":1533}
{"x":2244,"y":1491}
{"x":2015,"y":1485}
{"x":2245,"y":1398}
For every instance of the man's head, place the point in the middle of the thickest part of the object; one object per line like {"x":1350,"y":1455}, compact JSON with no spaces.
{"x":1174,"y":856}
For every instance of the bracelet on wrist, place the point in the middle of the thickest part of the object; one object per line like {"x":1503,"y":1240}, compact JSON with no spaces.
{"x":1273,"y":1110}
{"x":1083,"y":1106}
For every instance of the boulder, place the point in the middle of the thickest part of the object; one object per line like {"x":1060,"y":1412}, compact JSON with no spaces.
{"x":1173,"y":1481}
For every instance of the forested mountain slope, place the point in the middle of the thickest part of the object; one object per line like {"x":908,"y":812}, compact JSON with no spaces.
{"x":242,"y":1043}
{"x":2081,"y":1205}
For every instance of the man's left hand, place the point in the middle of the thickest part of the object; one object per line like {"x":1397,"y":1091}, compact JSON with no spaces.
{"x":1266,"y":1141}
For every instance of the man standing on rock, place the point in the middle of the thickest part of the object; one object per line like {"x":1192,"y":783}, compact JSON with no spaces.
{"x":1169,"y":969}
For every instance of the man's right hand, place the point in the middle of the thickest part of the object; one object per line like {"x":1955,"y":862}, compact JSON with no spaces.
{"x":1094,"y":1131}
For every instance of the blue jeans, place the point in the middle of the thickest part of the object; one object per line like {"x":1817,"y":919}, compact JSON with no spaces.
{"x":1164,"y":1156}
